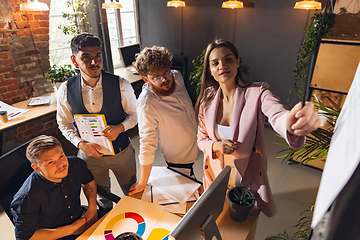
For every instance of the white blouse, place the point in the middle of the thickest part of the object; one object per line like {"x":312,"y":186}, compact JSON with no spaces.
{"x":223,"y":133}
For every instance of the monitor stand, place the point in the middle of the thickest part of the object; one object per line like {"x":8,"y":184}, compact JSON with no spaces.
{"x":210,"y":230}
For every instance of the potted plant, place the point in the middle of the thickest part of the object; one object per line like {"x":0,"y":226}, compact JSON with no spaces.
{"x":195,"y":75}
{"x":302,"y":233}
{"x":241,"y":201}
{"x":307,"y":47}
{"x":59,"y":74}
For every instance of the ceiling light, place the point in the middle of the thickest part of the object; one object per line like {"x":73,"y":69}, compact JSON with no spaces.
{"x":111,"y":5}
{"x":308,"y":5}
{"x":34,"y":5}
{"x":232,"y":4}
{"x":174,"y":3}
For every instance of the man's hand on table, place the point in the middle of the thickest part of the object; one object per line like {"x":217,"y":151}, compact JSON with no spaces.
{"x":90,"y":216}
{"x":136,"y":188}
{"x":77,"y":227}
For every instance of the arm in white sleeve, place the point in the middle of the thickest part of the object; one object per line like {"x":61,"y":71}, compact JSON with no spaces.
{"x":148,"y":132}
{"x":64,"y":117}
{"x":128,"y":101}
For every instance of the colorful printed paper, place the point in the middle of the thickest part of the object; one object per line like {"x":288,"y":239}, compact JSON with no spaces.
{"x":90,"y":126}
{"x":133,"y":215}
{"x":12,"y":112}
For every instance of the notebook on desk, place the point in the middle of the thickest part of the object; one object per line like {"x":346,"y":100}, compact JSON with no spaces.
{"x":38,"y":101}
{"x":132,"y":69}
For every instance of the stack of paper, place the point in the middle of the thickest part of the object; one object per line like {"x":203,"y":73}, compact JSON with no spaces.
{"x":171,"y":189}
{"x":148,"y":220}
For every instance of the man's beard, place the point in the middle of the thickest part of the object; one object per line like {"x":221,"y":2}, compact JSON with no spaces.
{"x":87,"y":74}
{"x":161,"y":92}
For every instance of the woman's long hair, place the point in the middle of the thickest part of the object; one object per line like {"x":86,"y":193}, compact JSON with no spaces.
{"x":207,"y":79}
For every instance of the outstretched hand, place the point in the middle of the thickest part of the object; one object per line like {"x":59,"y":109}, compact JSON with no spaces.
{"x":302,"y":120}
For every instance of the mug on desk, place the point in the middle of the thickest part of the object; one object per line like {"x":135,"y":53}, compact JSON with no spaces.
{"x":3,"y":116}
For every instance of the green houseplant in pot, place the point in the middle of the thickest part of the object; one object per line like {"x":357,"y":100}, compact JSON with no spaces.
{"x":241,"y":201}
{"x":59,"y":74}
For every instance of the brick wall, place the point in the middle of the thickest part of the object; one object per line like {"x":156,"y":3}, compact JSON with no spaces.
{"x":24,"y":61}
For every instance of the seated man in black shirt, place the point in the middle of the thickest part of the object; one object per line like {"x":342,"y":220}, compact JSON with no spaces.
{"x":47,"y":206}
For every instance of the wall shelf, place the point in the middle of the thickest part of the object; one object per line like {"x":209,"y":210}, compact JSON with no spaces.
{"x":5,"y":30}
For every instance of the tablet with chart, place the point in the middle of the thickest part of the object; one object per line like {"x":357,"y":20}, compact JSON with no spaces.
{"x":90,"y":126}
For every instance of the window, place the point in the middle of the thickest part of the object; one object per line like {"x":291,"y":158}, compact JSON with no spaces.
{"x":123,"y":30}
{"x":122,"y":24}
{"x":59,"y":42}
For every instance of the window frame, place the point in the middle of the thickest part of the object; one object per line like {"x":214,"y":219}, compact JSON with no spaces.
{"x":120,"y":38}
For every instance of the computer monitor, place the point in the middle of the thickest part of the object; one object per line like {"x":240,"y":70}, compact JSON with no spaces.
{"x":128,"y":54}
{"x":199,"y":222}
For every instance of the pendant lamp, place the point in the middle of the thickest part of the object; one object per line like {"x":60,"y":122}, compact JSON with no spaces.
{"x":232,"y":4}
{"x":174,"y":3}
{"x":308,"y":5}
{"x":34,"y":5}
{"x":111,"y":5}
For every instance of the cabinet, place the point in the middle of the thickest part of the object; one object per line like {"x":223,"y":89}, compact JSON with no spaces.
{"x":334,"y":72}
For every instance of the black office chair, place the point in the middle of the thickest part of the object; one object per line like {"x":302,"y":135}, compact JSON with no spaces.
{"x":14,"y":170}
{"x":180,"y":63}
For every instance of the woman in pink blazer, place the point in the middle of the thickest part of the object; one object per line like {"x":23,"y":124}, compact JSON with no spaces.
{"x":231,"y":120}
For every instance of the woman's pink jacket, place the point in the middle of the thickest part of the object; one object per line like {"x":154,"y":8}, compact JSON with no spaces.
{"x":251,"y":104}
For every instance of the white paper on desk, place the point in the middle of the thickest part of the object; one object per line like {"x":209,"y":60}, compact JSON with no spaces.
{"x":180,"y":208}
{"x":150,"y":194}
{"x":170,"y":205}
{"x":90,"y":126}
{"x":180,"y":188}
{"x":344,"y":152}
{"x":155,"y":171}
{"x":129,"y":215}
{"x":12,"y":112}
{"x":164,"y":199}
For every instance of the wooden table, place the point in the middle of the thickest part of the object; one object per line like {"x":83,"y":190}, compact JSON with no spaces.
{"x":229,"y":229}
{"x":135,"y":80}
{"x":127,"y":74}
{"x":33,"y":114}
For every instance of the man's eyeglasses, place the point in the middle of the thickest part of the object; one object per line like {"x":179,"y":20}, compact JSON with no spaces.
{"x":166,"y":75}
